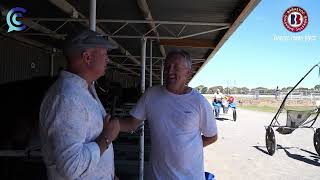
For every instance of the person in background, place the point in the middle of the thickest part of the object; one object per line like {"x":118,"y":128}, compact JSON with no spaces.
{"x":217,"y":102}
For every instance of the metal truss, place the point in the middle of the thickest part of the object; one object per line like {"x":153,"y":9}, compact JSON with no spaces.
{"x":131,"y":23}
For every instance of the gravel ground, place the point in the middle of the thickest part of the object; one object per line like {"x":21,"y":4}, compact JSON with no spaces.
{"x":240,"y":151}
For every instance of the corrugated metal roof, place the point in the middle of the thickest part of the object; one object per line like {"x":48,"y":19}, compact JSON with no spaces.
{"x":190,"y":10}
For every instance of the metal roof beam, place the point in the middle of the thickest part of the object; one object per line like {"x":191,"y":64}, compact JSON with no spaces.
{"x":48,"y":49}
{"x":124,"y":68}
{"x":141,"y":37}
{"x":40,"y":28}
{"x":37,"y":27}
{"x":124,"y":56}
{"x":138,"y":65}
{"x":148,"y":16}
{"x":127,"y":21}
{"x":72,"y":11}
{"x":195,"y":43}
{"x":27,"y":41}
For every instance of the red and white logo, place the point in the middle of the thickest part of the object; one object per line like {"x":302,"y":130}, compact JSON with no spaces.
{"x":295,"y":19}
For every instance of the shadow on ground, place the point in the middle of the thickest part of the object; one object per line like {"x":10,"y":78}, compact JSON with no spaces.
{"x":312,"y":159}
{"x":223,"y":119}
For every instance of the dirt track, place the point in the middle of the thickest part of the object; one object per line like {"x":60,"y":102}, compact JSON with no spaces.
{"x":240,"y":151}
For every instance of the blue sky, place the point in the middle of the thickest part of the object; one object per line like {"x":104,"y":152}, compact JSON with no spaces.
{"x":252,"y":58}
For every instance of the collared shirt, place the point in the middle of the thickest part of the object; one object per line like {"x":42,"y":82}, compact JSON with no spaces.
{"x":71,"y":118}
{"x":176,"y":123}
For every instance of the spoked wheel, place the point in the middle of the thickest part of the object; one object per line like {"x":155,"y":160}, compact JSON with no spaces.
{"x":270,"y":141}
{"x":316,"y":141}
{"x":234,"y":114}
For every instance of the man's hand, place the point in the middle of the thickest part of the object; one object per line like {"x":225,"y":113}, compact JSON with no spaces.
{"x":209,"y":140}
{"x":111,"y":128}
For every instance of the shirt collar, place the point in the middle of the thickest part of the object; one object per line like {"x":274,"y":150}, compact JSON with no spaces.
{"x":76,"y":78}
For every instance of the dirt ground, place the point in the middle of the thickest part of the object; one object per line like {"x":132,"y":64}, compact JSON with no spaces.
{"x":270,"y":101}
{"x":240,"y":151}
{"x":275,"y":103}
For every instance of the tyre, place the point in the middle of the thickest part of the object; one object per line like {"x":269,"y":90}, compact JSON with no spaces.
{"x":270,"y":141}
{"x":316,"y":141}
{"x":234,"y":114}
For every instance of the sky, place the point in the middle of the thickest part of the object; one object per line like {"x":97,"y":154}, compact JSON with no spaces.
{"x":252,"y":57}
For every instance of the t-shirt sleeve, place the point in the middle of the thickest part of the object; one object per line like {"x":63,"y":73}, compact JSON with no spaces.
{"x":208,"y":125}
{"x":139,"y":111}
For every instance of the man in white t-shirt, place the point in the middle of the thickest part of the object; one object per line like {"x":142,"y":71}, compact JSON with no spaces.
{"x":218,"y":95}
{"x":181,"y":123}
{"x":218,"y":102}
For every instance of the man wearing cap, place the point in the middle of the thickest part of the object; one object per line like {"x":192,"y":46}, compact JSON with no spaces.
{"x":76,"y":133}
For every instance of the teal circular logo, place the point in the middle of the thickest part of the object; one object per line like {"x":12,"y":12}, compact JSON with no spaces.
{"x":13,"y":23}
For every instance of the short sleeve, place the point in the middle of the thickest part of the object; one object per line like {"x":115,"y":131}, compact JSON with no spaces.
{"x":139,"y":111}
{"x":208,"y":123}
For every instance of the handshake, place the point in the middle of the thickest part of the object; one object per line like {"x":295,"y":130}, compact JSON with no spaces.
{"x":110,"y":131}
{"x":111,"y":128}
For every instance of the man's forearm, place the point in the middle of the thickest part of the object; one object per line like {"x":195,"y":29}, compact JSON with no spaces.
{"x":129,"y":124}
{"x":209,"y":140}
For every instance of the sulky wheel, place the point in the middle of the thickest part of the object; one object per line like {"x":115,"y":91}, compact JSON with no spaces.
{"x":316,"y":140}
{"x":270,"y":141}
{"x":234,"y":114}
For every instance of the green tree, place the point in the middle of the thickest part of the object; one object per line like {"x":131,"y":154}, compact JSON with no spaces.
{"x":199,"y":88}
{"x":244,"y":90}
{"x":302,"y":89}
{"x":204,"y":90}
{"x":227,"y":90}
{"x":317,"y":87}
{"x":235,"y":90}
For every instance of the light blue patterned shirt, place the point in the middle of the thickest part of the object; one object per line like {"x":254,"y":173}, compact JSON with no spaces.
{"x":71,"y":118}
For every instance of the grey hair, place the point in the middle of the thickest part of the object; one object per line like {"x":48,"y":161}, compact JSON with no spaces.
{"x":182,"y":53}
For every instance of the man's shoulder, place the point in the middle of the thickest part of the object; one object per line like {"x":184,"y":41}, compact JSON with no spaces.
{"x":64,"y":88}
{"x":197,"y":94}
{"x":154,"y":89}
{"x":199,"y":97}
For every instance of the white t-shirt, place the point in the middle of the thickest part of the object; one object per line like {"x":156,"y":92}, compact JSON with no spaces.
{"x":218,"y":96}
{"x":176,"y":124}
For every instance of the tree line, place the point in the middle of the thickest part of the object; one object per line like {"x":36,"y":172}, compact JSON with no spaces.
{"x":244,"y":90}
